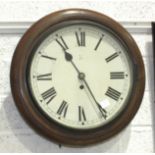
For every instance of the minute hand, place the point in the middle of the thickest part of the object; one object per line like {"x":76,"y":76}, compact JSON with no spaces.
{"x":81,"y":76}
{"x":102,"y":110}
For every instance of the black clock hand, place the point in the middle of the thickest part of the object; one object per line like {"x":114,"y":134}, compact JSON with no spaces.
{"x":69,"y":57}
{"x":81,"y":76}
{"x":102,"y":110}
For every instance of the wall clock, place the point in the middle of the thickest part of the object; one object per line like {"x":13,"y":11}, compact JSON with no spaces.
{"x":77,"y":77}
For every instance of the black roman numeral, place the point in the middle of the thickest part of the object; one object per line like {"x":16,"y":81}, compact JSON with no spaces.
{"x":117,"y":75}
{"x":49,"y":94}
{"x":81,"y":38}
{"x":113,"y":56}
{"x":112,"y":93}
{"x":47,"y":57}
{"x":63,"y":109}
{"x":98,"y":43}
{"x":62,"y":43}
{"x":43,"y":77}
{"x":82,"y":116}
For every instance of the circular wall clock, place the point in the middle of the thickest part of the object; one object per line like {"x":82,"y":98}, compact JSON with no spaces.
{"x":77,"y":77}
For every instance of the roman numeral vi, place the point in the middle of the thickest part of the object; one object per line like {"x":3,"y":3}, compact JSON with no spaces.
{"x":82,"y":116}
{"x":63,"y":109}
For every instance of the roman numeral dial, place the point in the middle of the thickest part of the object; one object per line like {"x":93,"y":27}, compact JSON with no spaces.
{"x":113,"y":94}
{"x":49,"y":95}
{"x":80,"y":38}
{"x":63,"y":109}
{"x":61,"y":42}
{"x":48,"y":57}
{"x":81,"y":114}
{"x":44,"y":77}
{"x":98,"y":43}
{"x":112,"y":57}
{"x":117,"y":75}
{"x":80,"y":75}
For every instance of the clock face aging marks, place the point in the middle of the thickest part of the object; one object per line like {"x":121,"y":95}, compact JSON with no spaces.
{"x":79,"y":73}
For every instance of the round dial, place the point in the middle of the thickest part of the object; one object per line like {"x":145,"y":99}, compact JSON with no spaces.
{"x":77,"y":76}
{"x":81,"y":75}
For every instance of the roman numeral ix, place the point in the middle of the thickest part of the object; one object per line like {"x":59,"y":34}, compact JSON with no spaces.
{"x":81,"y":38}
{"x":48,"y":57}
{"x":112,"y":93}
{"x":63,"y":109}
{"x":49,"y":95}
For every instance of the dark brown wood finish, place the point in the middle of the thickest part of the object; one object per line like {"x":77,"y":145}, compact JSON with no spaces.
{"x":37,"y":119}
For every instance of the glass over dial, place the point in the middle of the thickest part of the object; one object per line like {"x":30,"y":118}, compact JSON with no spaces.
{"x":81,"y":76}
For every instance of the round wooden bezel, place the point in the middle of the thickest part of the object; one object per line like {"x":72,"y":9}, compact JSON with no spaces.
{"x":36,"y":118}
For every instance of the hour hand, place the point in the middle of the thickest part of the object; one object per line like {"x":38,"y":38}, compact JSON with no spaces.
{"x":68,"y":56}
{"x":64,"y":47}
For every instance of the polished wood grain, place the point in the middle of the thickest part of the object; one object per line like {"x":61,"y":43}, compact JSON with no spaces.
{"x":25,"y":103}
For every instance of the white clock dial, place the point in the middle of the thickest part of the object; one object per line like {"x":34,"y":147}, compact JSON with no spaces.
{"x":81,"y":76}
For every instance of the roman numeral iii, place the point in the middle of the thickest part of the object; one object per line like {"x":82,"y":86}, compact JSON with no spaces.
{"x":81,"y":38}
{"x":62,"y":43}
{"x":112,"y":93}
{"x":49,"y":95}
{"x":117,"y":75}
{"x":63,"y":109}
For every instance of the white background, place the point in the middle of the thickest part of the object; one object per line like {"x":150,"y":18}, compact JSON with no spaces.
{"x":15,"y":134}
